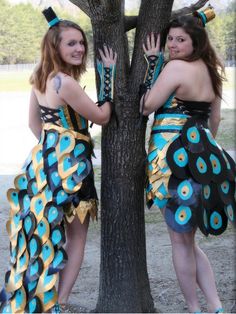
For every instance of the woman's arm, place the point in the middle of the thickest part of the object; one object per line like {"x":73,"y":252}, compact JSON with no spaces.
{"x":165,"y":85}
{"x":215,"y":115}
{"x":72,"y":93}
{"x":35,"y":123}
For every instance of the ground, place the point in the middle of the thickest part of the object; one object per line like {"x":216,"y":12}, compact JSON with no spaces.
{"x":165,"y":291}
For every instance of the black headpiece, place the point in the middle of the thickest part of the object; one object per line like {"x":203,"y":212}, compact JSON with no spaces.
{"x":50,"y":16}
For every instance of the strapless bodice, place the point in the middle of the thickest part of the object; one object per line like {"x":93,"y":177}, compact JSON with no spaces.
{"x":65,"y":116}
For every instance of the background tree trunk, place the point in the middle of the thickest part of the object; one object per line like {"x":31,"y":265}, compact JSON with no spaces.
{"x":124,"y":284}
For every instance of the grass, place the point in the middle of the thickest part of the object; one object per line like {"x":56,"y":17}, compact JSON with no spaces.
{"x":225,"y":136}
{"x":230,"y":76}
{"x":18,"y":81}
{"x":226,"y":132}
{"x":12,"y":81}
{"x":88,"y":80}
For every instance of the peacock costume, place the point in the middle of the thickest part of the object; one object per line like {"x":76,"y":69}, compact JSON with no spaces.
{"x":188,"y":173}
{"x":56,"y":186}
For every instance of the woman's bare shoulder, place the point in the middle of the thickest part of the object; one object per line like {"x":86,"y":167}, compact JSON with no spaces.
{"x":64,"y":82}
{"x":186,"y":69}
{"x":177,"y":65}
{"x":63,"y":78}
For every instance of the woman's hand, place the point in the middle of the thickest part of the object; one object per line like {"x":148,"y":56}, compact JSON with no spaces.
{"x":152,"y":47}
{"x":108,"y":56}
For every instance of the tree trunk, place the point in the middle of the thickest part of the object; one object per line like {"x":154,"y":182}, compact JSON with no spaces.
{"x":124,"y":284}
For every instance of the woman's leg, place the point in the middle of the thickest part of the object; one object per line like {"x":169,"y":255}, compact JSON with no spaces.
{"x":76,"y":234}
{"x":206,"y":280}
{"x":183,"y":256}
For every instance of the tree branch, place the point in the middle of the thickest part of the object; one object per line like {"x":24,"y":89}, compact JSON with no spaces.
{"x":113,"y":5}
{"x":186,"y":10}
{"x":94,"y":5}
{"x":130,"y":22}
{"x":83,"y":5}
{"x":103,"y":11}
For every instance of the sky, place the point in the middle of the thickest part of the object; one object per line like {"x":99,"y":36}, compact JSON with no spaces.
{"x":129,"y":4}
{"x":217,"y":4}
{"x":132,"y":4}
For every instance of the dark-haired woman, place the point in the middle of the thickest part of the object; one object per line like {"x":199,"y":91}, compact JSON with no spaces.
{"x":54,"y":197}
{"x":190,"y":177}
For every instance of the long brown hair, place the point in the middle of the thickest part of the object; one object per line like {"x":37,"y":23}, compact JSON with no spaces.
{"x":51,"y":62}
{"x":202,"y":48}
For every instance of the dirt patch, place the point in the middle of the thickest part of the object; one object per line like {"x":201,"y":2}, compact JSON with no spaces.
{"x":165,"y":291}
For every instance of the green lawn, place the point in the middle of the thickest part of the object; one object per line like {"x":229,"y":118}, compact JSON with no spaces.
{"x":230,"y":76}
{"x":19,"y":80}
{"x":226,"y":132}
{"x":16,"y":81}
{"x":225,"y":136}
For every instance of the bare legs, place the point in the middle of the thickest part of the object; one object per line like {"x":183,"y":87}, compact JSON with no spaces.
{"x":185,"y":266}
{"x":206,"y":280}
{"x":76,"y":234}
{"x":192,"y":267}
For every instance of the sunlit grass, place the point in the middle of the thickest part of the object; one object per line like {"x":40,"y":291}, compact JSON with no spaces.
{"x":230,"y":76}
{"x":15,"y":81}
{"x":18,"y":81}
{"x":226,"y":132}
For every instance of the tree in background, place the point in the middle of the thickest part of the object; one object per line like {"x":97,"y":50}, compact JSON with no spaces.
{"x":22,"y":27}
{"x":230,"y":44}
{"x":124,"y":284}
{"x":222,"y":33}
{"x":21,"y":32}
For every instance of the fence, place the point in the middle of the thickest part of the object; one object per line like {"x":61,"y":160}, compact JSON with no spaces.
{"x":30,"y":66}
{"x":17,"y":67}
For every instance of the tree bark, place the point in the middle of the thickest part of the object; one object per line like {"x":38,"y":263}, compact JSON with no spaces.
{"x":187,"y":10}
{"x":130,"y":22}
{"x":83,"y":5}
{"x":124,"y":284}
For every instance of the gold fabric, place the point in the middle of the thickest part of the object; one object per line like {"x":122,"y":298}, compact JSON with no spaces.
{"x":158,"y":172}
{"x":60,"y":129}
{"x":84,"y":208}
